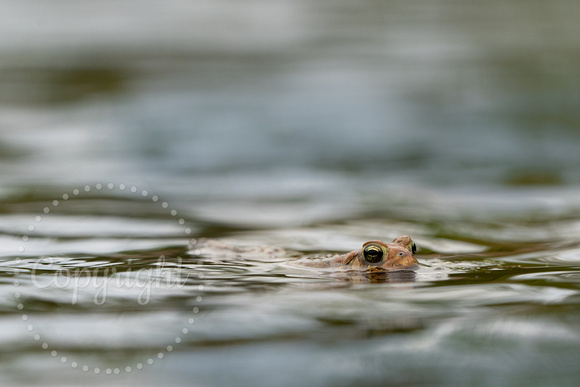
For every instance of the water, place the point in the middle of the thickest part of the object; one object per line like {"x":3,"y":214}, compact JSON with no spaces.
{"x":127,"y":130}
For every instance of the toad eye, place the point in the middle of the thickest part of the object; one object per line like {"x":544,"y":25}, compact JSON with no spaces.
{"x":373,"y":253}
{"x":413,"y":247}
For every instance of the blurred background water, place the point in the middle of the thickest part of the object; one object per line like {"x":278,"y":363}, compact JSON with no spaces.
{"x":128,"y":127}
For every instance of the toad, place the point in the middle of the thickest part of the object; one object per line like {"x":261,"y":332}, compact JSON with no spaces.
{"x":374,"y":256}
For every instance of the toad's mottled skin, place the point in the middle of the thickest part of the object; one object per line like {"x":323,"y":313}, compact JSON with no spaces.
{"x":374,"y":256}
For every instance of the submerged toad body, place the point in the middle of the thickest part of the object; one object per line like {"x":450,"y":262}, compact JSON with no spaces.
{"x":374,"y":256}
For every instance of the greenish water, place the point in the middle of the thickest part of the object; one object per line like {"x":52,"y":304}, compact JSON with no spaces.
{"x":128,"y":130}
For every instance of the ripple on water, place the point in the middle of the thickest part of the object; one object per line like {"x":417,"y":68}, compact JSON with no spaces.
{"x":548,"y":256}
{"x":470,"y":295}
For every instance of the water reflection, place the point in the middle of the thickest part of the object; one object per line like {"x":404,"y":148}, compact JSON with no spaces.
{"x":239,"y":293}
{"x":357,"y":277}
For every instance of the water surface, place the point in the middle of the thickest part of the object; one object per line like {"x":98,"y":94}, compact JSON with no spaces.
{"x":129,"y":129}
